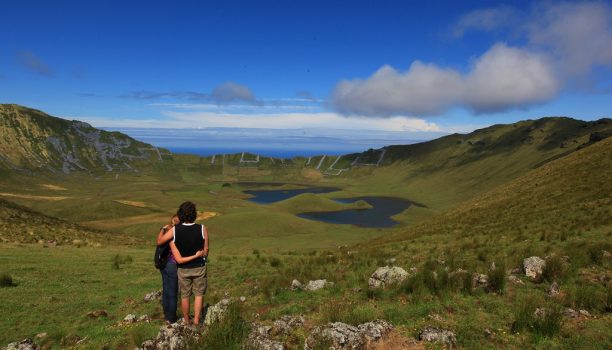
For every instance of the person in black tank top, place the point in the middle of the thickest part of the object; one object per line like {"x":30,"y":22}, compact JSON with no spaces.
{"x":190,"y":249}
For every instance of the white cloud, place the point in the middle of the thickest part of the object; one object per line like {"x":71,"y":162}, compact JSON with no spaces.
{"x":232,"y":92}
{"x":487,"y":19}
{"x":503,"y":78}
{"x":579,"y":35}
{"x":177,"y":119}
{"x":564,"y":42}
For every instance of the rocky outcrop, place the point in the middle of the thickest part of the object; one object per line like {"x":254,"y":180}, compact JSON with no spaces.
{"x":384,"y":276}
{"x":433,"y":334}
{"x":26,"y":344}
{"x":554,"y":289}
{"x":153,"y":296}
{"x":286,"y":324}
{"x":533,"y":267}
{"x":480,"y":280}
{"x":296,"y":285}
{"x":172,"y":337}
{"x":343,"y":336}
{"x":515,"y":280}
{"x":216,"y":312}
{"x":311,"y":285}
{"x":259,"y":339}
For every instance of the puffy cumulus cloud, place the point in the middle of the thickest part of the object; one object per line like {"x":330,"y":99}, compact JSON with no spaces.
{"x":35,"y":64}
{"x":232,"y":92}
{"x":563,"y":43}
{"x":506,"y":77}
{"x":503,"y":78}
{"x":423,"y":89}
{"x":579,"y":35}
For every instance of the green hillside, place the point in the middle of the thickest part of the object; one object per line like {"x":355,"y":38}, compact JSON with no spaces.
{"x":31,"y":140}
{"x":21,"y":224}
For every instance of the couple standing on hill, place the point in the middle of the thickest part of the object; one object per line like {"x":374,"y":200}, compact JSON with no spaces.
{"x":186,"y":263}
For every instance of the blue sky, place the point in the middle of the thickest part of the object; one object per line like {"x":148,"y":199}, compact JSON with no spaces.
{"x":411,"y":69}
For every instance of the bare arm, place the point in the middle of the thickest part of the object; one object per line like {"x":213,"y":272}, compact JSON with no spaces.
{"x":179,"y":258}
{"x":205,"y":241}
{"x":165,"y":234}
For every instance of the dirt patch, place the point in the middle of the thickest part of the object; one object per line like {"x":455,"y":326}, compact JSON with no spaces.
{"x":132,"y":203}
{"x":205,"y":215}
{"x":29,"y":196}
{"x":53,"y":187}
{"x":396,"y":341}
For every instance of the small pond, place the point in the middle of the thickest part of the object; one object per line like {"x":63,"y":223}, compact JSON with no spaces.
{"x":377,"y":216}
{"x":271,"y":196}
{"x":383,"y":208}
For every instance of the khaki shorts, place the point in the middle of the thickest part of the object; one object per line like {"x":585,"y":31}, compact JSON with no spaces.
{"x":192,"y":281}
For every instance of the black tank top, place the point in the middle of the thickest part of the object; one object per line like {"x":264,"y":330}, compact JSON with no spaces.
{"x":189,"y":238}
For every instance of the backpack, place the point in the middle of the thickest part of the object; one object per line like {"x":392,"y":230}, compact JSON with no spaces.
{"x":161,"y":256}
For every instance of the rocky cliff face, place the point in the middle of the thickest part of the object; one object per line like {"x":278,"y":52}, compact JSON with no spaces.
{"x":31,"y":140}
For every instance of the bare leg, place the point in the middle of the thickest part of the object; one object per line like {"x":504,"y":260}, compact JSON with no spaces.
{"x":197,"y":306}
{"x":185,"y":309}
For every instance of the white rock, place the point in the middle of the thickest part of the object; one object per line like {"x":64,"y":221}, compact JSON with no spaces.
{"x":384,"y":276}
{"x":317,"y":284}
{"x":534,"y":266}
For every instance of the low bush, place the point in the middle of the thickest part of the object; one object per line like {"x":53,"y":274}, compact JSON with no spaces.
{"x":229,"y":333}
{"x":6,"y":280}
{"x":497,"y":279}
{"x":590,"y":297}
{"x":546,"y":322}
{"x":555,"y":269}
{"x":119,"y":260}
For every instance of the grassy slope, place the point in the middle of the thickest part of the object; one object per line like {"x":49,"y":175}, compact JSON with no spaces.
{"x":562,"y":207}
{"x":21,"y":224}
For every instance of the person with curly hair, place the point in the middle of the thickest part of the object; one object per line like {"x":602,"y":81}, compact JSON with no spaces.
{"x":190,"y":249}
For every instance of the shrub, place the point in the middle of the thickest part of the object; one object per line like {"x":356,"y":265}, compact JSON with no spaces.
{"x":461,"y":282}
{"x":554,"y":269}
{"x":275,"y":262}
{"x":229,"y":333}
{"x":497,"y":279}
{"x":119,"y":260}
{"x":6,"y":280}
{"x":355,"y":315}
{"x":591,"y":298}
{"x":256,"y":253}
{"x":226,"y":184}
{"x":547,"y":323}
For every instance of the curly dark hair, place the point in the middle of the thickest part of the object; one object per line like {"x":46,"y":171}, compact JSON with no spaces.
{"x":187,"y":212}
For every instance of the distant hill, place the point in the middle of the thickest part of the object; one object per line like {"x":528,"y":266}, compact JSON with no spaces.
{"x":31,"y":140}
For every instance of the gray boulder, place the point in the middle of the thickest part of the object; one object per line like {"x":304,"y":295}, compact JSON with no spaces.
{"x":375,"y":330}
{"x":26,"y":344}
{"x":216,"y":312}
{"x":153,"y":296}
{"x":296,"y":285}
{"x":259,"y":339}
{"x":533,"y":267}
{"x":317,"y":284}
{"x":344,"y":336}
{"x":172,"y":337}
{"x":384,"y":276}
{"x":433,"y":334}
{"x":287,"y":323}
{"x":515,"y":280}
{"x":341,"y":336}
{"x":554,"y":289}
{"x":480,"y":280}
{"x":130,"y":318}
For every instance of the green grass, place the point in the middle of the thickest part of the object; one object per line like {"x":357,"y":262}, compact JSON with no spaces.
{"x":497,"y":195}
